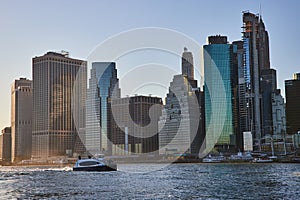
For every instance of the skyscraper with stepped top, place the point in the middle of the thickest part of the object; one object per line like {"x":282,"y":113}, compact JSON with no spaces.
{"x":180,"y":121}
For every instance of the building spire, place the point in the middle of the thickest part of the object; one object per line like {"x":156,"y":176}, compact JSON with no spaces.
{"x":259,"y":14}
{"x":187,"y":64}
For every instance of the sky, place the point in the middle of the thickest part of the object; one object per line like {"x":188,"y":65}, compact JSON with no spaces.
{"x":31,"y":28}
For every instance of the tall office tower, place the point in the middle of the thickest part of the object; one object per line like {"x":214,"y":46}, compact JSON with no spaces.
{"x":21,"y":119}
{"x":187,"y":64}
{"x":5,"y":145}
{"x":218,"y":74}
{"x":292,"y":95}
{"x":256,"y":58}
{"x":268,"y":87}
{"x":187,"y":67}
{"x":179,"y":122}
{"x":241,"y":111}
{"x":198,"y":145}
{"x":103,"y":87}
{"x":178,"y":125}
{"x":135,"y":127}
{"x":59,"y":93}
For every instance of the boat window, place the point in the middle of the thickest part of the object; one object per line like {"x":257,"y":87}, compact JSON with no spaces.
{"x":87,"y":163}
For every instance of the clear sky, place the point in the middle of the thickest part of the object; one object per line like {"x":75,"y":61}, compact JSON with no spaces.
{"x":32,"y":27}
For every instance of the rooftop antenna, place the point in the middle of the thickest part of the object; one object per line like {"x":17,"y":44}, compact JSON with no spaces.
{"x":259,"y":11}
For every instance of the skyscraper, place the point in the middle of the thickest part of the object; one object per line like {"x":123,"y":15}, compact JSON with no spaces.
{"x":187,"y":67}
{"x":136,"y":127}
{"x":268,"y":87}
{"x":21,"y":119}
{"x":59,"y":84}
{"x":241,"y":110}
{"x":256,"y":59}
{"x":278,"y":114}
{"x":5,"y":145}
{"x":179,"y":123}
{"x":292,"y":95}
{"x":103,"y":87}
{"x":187,"y":64}
{"x":218,"y":94}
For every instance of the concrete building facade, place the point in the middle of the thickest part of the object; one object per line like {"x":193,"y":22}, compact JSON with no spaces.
{"x":21,"y":119}
{"x":59,"y":94}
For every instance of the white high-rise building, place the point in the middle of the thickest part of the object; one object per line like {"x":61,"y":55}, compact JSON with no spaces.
{"x":179,"y":122}
{"x":179,"y":131}
{"x":278,"y":113}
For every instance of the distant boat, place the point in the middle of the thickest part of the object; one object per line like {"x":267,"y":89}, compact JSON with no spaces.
{"x":241,"y":157}
{"x":213,"y":159}
{"x":94,"y":164}
{"x":273,"y":157}
{"x":262,"y":160}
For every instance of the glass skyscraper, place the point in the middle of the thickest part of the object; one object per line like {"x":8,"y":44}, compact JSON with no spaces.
{"x":218,"y":94}
{"x":256,"y":59}
{"x":292,"y":93}
{"x":103,"y":86}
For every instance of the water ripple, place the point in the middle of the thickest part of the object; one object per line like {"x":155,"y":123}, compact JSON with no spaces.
{"x":177,"y":181}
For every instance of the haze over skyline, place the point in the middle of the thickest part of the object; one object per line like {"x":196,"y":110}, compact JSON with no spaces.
{"x":31,"y":28}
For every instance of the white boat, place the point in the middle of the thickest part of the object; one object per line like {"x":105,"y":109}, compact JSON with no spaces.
{"x":241,"y":157}
{"x":273,"y":157}
{"x":213,"y":159}
{"x":262,"y":160}
{"x":94,"y":164}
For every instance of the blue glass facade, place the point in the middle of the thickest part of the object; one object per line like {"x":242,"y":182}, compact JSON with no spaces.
{"x":218,"y":106}
{"x":103,"y":86}
{"x":247,"y":63}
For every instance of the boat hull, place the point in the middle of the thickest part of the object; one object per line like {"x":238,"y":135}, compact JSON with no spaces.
{"x":95,"y":169}
{"x":263,"y":161}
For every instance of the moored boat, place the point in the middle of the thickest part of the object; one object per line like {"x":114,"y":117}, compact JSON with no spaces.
{"x":240,"y":157}
{"x":213,"y":159}
{"x":262,"y":160}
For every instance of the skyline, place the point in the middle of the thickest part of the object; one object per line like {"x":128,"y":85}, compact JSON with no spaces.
{"x":36,"y":30}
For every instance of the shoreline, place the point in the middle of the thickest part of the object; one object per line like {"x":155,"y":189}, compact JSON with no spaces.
{"x":152,"y":162}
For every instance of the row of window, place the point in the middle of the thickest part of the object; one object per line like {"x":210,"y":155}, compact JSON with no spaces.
{"x":24,"y":122}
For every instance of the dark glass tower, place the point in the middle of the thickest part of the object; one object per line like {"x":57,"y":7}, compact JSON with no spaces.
{"x":292,"y":94}
{"x":240,"y":85}
{"x":256,"y":59}
{"x":268,"y":87}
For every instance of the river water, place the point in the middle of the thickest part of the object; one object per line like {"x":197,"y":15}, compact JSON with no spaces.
{"x":176,"y":181}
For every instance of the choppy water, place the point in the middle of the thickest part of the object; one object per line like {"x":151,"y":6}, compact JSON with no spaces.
{"x":177,"y":181}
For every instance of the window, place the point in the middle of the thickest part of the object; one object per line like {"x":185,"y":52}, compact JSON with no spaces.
{"x":88,"y":163}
